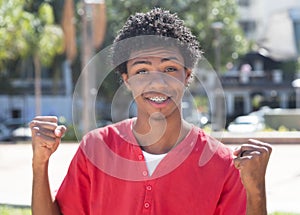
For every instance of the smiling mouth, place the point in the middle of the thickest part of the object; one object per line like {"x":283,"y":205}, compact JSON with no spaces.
{"x":158,"y":99}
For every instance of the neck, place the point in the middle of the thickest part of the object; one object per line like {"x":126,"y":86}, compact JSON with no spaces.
{"x":158,"y":136}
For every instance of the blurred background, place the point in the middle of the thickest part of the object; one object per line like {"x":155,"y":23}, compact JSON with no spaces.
{"x":251,"y":45}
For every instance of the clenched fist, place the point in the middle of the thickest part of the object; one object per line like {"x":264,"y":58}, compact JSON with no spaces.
{"x":252,"y":159}
{"x":46,"y":136}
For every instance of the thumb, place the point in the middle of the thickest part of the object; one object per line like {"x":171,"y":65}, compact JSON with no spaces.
{"x":237,"y":151}
{"x":60,"y":130}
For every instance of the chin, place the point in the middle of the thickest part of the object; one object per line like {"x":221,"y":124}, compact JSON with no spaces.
{"x":158,"y":116}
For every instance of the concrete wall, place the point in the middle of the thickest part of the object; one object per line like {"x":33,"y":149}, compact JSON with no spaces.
{"x":289,"y":118}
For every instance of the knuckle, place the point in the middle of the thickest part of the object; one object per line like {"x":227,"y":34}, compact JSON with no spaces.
{"x":31,"y":124}
{"x":267,"y":146}
{"x":265,"y":150}
{"x":54,"y":118}
{"x":270,"y":148}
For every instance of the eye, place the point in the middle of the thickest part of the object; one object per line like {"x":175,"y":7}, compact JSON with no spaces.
{"x":142,"y":72}
{"x":171,"y":69}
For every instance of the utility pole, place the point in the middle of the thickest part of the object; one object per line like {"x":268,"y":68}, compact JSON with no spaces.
{"x":219,"y":102}
{"x":86,"y":54}
{"x":87,"y":50}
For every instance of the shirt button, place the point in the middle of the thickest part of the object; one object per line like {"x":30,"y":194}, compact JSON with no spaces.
{"x":145,"y":173}
{"x":149,"y":187}
{"x":147,"y":205}
{"x":141,"y":157}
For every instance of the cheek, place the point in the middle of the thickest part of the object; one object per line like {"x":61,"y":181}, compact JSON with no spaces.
{"x":137,"y":85}
{"x":184,"y":78}
{"x":178,"y":82}
{"x":180,"y":91}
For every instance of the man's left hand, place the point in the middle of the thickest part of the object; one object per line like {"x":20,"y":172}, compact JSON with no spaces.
{"x":252,"y":159}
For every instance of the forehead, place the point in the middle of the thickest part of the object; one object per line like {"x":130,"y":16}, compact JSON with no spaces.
{"x":158,"y":52}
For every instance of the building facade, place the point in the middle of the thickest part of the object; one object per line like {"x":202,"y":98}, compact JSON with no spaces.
{"x":240,"y":86}
{"x":259,"y":77}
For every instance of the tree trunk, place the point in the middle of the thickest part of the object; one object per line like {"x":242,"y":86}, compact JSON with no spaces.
{"x":37,"y":84}
{"x":98,"y":24}
{"x":69,"y":29}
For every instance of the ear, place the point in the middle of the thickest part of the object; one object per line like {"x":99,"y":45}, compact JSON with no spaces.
{"x":125,"y":80}
{"x":188,"y":75}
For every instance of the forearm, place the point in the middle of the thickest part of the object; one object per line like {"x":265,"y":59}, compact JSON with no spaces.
{"x":256,"y":202}
{"x":252,"y":160}
{"x":42,"y":202}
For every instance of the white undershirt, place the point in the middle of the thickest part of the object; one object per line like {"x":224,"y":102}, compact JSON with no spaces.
{"x":152,"y":160}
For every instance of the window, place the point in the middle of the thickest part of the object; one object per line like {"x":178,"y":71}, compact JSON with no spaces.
{"x":244,"y":3}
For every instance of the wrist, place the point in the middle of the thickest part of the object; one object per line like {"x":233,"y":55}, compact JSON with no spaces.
{"x":257,"y":190}
{"x":256,"y":201}
{"x":39,"y":166}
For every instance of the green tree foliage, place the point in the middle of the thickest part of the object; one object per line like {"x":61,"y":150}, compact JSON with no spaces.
{"x":50,"y":38}
{"x":16,"y":29}
{"x":199,"y":15}
{"x":26,"y":31}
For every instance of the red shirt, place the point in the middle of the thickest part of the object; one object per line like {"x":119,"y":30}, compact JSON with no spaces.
{"x":108,"y":176}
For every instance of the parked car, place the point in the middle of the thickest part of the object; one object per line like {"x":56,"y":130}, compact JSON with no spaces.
{"x":14,"y":129}
{"x":21,"y":133}
{"x":261,"y":112}
{"x":14,"y":123}
{"x":247,"y":123}
{"x":5,"y":134}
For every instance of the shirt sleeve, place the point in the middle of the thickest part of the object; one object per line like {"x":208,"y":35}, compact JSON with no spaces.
{"x":233,"y":199}
{"x":73,"y":194}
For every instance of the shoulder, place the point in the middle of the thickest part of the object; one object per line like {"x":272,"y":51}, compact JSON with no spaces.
{"x":120,"y":129}
{"x":213,"y":150}
{"x":112,"y":135}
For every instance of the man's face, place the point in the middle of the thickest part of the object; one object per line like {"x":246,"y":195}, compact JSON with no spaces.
{"x":157,"y":78}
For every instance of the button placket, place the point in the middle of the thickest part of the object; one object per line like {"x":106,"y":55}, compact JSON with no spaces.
{"x":148,"y":187}
{"x":146,"y":205}
{"x":148,"y":195}
{"x":140,"y":157}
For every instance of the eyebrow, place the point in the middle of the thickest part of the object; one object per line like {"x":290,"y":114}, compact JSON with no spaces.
{"x":169,"y":59}
{"x":149,"y":63}
{"x":141,"y":62}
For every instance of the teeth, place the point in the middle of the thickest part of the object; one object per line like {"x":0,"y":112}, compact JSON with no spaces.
{"x":158,"y":99}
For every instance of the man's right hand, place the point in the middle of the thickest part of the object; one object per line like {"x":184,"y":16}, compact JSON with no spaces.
{"x":46,"y":136}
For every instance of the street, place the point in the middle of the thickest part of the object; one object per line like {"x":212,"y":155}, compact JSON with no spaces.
{"x":283,"y":174}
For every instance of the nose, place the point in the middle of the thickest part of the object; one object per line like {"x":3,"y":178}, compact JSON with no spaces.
{"x":158,"y":80}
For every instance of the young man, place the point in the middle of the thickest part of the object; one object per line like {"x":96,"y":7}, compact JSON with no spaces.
{"x":156,"y":163}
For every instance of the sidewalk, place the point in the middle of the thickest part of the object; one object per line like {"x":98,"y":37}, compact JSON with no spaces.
{"x":16,"y":173}
{"x":283,"y":174}
{"x":283,"y":179}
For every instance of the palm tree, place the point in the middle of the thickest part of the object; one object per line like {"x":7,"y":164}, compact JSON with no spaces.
{"x":26,"y":33}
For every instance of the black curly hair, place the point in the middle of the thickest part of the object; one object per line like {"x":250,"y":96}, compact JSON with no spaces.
{"x":166,"y":29}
